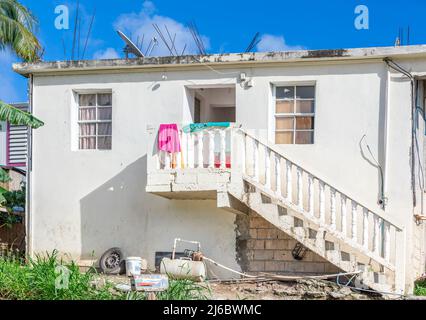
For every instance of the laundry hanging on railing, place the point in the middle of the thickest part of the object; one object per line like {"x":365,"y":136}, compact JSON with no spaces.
{"x":196,"y":127}
{"x":168,"y":138}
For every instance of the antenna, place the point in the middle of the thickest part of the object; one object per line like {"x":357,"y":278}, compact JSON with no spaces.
{"x":88,"y":33}
{"x":130,"y":46}
{"x":75,"y":30}
{"x":254,"y":42}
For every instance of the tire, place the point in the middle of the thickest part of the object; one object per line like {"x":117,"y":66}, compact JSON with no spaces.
{"x":112,"y":261}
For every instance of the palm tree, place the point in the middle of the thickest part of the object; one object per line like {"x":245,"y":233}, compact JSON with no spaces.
{"x":16,"y":33}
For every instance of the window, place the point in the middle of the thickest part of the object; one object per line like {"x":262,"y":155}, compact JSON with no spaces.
{"x":95,"y":121}
{"x":295,"y":115}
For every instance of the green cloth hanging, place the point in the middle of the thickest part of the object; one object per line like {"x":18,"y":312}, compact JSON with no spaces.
{"x":196,"y":127}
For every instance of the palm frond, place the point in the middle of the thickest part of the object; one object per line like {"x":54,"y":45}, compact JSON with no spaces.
{"x":18,"y":117}
{"x":16,"y":30}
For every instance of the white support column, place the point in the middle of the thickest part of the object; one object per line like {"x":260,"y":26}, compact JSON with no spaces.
{"x":311,"y":191}
{"x":333,"y":208}
{"x":267,"y":168}
{"x":386,"y":241}
{"x":223,"y":149}
{"x":376,"y":235}
{"x":322,"y":202}
{"x":365,"y":228}
{"x":344,"y":215}
{"x":200,"y":160}
{"x":191,"y":151}
{"x":255,"y":160}
{"x":300,"y":188}
{"x":289,"y":179}
{"x":243,"y":152}
{"x":354,"y":221}
{"x":278,"y":174}
{"x":167,"y":160}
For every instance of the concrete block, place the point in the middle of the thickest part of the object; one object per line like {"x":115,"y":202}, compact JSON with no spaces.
{"x":283,"y":255}
{"x":274,"y":266}
{"x":263,"y":255}
{"x":253,"y":233}
{"x":186,"y":178}
{"x":257,"y":266}
{"x":260,"y":223}
{"x":314,"y":267}
{"x":256,"y":244}
{"x":275,"y":244}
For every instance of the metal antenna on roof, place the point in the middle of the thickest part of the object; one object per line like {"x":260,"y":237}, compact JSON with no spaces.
{"x":408,"y":36}
{"x":161,"y":35}
{"x":88,"y":33}
{"x":197,"y":38}
{"x":254,"y":42}
{"x":154,"y":44}
{"x":171,"y":40}
{"x":75,"y":30}
{"x":79,"y":38}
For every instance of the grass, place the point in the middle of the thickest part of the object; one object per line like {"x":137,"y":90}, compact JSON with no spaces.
{"x":37,"y":279}
{"x":2,"y":190}
{"x":420,"y":288}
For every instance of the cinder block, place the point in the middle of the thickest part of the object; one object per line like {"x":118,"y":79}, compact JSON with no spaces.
{"x":186,"y":178}
{"x":263,"y":255}
{"x":253,"y":233}
{"x":274,"y":266}
{"x":275,"y":244}
{"x":260,"y":223}
{"x":256,"y":244}
{"x":257,"y":266}
{"x":282,"y":255}
{"x":314,"y":267}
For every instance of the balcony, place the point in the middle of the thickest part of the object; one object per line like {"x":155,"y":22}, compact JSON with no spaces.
{"x":198,"y":171}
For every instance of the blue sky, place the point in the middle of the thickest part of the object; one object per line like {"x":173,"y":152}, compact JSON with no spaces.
{"x":226,"y":26}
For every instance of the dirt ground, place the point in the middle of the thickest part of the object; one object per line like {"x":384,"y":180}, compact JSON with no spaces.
{"x":273,"y":290}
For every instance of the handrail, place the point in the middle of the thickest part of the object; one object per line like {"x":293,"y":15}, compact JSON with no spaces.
{"x":276,"y":150}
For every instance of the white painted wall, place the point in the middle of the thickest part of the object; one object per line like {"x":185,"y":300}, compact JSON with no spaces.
{"x":86,"y":201}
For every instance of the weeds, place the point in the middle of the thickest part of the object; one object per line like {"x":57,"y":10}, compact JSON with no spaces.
{"x":420,"y":288}
{"x":37,"y":280}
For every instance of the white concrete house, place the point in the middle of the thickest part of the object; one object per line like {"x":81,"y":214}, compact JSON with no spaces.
{"x":325,"y":150}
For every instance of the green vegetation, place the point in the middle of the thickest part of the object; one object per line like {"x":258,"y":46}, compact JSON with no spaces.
{"x":420,"y":289}
{"x":37,"y":280}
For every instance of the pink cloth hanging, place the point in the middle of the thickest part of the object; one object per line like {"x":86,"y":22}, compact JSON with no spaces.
{"x":168,"y":138}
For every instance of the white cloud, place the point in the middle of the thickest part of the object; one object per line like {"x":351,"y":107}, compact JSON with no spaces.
{"x":271,"y":42}
{"x":141,"y":24}
{"x":109,"y":53}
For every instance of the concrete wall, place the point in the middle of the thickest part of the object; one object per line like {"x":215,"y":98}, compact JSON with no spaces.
{"x":86,"y":201}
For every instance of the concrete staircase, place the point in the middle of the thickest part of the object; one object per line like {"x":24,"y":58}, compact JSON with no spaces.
{"x":316,"y":214}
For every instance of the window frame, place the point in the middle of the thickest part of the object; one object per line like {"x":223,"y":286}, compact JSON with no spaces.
{"x":294,"y":115}
{"x":96,"y":122}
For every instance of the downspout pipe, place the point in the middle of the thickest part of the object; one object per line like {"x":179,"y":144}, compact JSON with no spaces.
{"x":28,"y":220}
{"x":393,"y":65}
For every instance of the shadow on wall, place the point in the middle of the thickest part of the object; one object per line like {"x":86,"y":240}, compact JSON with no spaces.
{"x":121,"y":214}
{"x":112,"y":215}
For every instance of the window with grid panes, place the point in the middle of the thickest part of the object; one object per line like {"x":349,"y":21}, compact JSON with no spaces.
{"x":95,"y":121}
{"x":294,"y":114}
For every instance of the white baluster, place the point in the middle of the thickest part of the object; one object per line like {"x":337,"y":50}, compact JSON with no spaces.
{"x":191,"y":151}
{"x":376,"y":235}
{"x":167,"y":160}
{"x":267,"y":167}
{"x":322,"y":202}
{"x":365,"y":228}
{"x":344,"y":214}
{"x":223,"y":149}
{"x":243,"y":154}
{"x":278,"y":174}
{"x":300,"y":188}
{"x":211,"y":149}
{"x":256,"y":160}
{"x":184,"y":147}
{"x":386,"y":241}
{"x":289,"y":185}
{"x":311,"y":195}
{"x":200,"y":137}
{"x":333,"y":208}
{"x":354,"y":221}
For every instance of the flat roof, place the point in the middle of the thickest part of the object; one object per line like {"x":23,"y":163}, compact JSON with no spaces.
{"x":221,"y":60}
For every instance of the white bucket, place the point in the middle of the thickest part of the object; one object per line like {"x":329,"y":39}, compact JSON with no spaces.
{"x":135,"y":265}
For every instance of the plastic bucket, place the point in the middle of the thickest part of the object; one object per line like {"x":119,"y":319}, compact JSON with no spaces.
{"x":134,"y":266}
